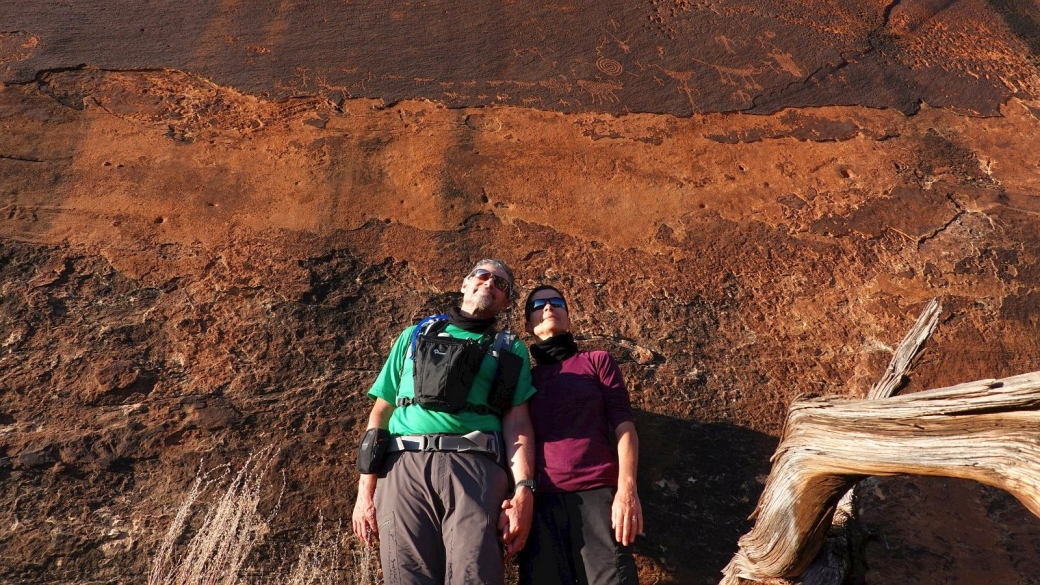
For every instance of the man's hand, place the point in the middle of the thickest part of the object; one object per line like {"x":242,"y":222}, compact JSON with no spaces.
{"x":626,"y":516}
{"x":366,"y":527}
{"x":515,"y":521}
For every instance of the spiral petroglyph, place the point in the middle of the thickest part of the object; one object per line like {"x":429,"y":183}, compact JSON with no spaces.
{"x":609,"y":66}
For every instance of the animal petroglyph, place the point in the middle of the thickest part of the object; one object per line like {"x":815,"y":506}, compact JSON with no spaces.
{"x":683,"y":77}
{"x":786,"y":62}
{"x":557,"y":84}
{"x":601,"y":91}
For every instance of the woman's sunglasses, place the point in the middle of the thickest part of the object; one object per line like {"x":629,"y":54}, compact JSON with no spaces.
{"x":539,"y":304}
{"x":482,"y":275}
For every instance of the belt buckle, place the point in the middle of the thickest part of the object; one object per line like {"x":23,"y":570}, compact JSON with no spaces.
{"x":430,"y":443}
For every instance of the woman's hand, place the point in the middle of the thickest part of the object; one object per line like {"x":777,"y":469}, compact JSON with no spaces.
{"x":626,"y":515}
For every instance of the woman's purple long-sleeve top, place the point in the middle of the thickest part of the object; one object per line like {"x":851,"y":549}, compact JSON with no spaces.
{"x":579,"y":403}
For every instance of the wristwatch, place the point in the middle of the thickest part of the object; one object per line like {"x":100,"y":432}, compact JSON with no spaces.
{"x":527,"y":483}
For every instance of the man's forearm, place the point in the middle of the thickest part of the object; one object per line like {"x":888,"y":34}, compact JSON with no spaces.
{"x":519,"y":438}
{"x":363,"y":519}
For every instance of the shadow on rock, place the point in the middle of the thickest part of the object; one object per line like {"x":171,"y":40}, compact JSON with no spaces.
{"x":698,"y":484}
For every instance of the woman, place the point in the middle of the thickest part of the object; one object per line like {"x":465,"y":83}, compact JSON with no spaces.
{"x":587,"y":510}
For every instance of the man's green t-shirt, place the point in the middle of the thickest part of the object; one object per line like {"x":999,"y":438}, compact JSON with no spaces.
{"x":397,"y":380}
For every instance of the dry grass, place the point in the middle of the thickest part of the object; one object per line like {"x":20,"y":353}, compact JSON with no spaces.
{"x":217,"y":552}
{"x":318,"y":561}
{"x":365,"y":570}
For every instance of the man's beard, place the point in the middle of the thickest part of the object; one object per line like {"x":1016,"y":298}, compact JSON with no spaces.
{"x":481,"y":301}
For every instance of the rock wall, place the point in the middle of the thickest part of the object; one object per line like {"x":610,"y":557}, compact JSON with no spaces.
{"x":196,"y":264}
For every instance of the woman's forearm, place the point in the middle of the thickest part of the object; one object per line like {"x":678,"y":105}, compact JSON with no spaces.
{"x":628,"y":455}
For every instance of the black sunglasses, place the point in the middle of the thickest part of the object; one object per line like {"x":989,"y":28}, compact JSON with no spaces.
{"x":539,"y":304}
{"x":482,"y":275}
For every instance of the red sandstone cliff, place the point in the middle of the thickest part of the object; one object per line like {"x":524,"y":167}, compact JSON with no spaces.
{"x":215,"y":216}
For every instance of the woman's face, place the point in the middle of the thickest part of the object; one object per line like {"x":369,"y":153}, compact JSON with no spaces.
{"x":549,"y":320}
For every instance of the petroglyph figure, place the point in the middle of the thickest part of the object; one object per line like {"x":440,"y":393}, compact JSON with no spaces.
{"x":557,"y":84}
{"x":609,"y":66}
{"x":683,"y":77}
{"x":601,"y":91}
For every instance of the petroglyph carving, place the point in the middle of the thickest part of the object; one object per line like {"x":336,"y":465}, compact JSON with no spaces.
{"x":609,"y":66}
{"x":557,"y":84}
{"x":623,"y":44}
{"x":17,"y":46}
{"x":786,"y":62}
{"x":422,"y":80}
{"x":683,"y":77}
{"x":601,"y":91}
{"x":365,"y":78}
{"x":744,"y":77}
{"x":680,"y":76}
{"x":725,"y":42}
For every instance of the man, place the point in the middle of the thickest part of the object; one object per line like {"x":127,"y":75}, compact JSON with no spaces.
{"x":434,"y":499}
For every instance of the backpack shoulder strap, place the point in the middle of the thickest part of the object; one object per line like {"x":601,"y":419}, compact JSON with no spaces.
{"x":424,"y":327}
{"x":503,"y":342}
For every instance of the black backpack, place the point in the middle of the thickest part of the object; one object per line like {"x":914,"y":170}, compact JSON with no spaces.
{"x":445,"y":367}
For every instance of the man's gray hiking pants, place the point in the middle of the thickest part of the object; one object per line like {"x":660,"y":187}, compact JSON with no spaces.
{"x":438,"y":518}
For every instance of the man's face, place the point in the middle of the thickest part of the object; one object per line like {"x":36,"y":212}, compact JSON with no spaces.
{"x":482,"y":294}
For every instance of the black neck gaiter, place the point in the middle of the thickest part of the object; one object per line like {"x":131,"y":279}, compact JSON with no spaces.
{"x":555,"y":349}
{"x":463,"y":320}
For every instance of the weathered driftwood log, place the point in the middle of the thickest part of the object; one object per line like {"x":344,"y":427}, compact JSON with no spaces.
{"x":987,"y":431}
{"x":905,"y":356}
{"x":831,"y":565}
